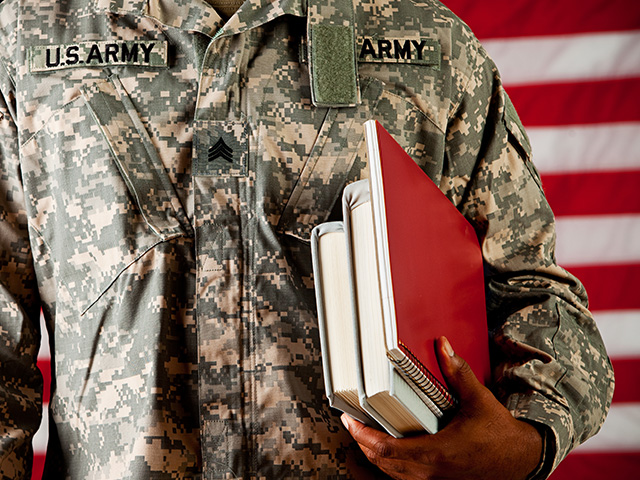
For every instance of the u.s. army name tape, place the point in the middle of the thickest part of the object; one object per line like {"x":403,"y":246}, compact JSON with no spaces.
{"x":45,"y":58}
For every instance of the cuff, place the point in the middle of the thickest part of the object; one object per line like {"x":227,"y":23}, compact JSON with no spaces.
{"x":554,"y":423}
{"x":545,"y":467}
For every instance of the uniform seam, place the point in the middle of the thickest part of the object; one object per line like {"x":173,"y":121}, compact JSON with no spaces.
{"x":139,"y":255}
{"x":415,"y":108}
{"x":124,"y":269}
{"x":45,"y":123}
{"x":8,"y":73}
{"x":465,"y":87}
{"x":253,"y":345}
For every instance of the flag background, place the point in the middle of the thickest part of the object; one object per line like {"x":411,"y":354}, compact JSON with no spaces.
{"x":572,"y":70}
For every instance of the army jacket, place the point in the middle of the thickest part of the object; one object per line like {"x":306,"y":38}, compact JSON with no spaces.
{"x":161,"y":171}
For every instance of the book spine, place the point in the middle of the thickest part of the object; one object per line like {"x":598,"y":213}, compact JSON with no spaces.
{"x":423,"y":379}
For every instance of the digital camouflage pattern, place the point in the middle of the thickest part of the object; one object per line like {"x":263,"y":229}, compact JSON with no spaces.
{"x":160,"y":215}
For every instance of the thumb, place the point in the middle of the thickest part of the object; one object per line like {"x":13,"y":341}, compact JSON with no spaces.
{"x":459,"y":376}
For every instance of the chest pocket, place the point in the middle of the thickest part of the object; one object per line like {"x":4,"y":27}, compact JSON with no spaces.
{"x":99,"y":195}
{"x":327,"y":169}
{"x":339,"y":156}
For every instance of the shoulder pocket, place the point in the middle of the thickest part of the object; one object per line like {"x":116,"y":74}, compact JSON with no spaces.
{"x":516,"y":129}
{"x":519,"y":139}
{"x":99,"y":195}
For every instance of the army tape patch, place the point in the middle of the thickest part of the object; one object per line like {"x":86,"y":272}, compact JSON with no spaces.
{"x":47,"y":58}
{"x":419,"y":51}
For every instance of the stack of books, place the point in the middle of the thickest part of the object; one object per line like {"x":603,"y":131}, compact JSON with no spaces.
{"x":401,"y":270}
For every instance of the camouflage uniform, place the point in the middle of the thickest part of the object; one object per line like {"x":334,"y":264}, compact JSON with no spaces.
{"x":161,"y":173}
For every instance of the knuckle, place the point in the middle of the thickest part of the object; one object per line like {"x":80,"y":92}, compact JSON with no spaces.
{"x":434,"y":458}
{"x":383,"y":449}
{"x":464,"y":369}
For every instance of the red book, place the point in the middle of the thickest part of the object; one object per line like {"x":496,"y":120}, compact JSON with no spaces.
{"x":430,"y":264}
{"x":403,"y":269}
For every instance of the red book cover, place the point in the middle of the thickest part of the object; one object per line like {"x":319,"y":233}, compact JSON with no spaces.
{"x":432,"y":270}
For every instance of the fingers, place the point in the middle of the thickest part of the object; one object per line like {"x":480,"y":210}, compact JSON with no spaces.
{"x":374,"y":440}
{"x":482,"y":440}
{"x":396,"y":457}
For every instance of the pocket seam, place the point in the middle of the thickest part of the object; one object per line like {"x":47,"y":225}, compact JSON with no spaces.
{"x":45,"y":123}
{"x":287,"y":224}
{"x":414,"y":107}
{"x":151,"y":159}
{"x":119,"y":273}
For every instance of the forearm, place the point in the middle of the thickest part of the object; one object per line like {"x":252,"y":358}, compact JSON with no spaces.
{"x":552,"y":369}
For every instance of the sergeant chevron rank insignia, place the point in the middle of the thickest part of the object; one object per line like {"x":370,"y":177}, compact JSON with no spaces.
{"x":221,"y":148}
{"x":44,"y":58}
{"x":419,"y":51}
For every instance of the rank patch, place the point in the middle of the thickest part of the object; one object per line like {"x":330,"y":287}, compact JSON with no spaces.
{"x":220,"y":148}
{"x":47,"y":58}
{"x":419,"y":51}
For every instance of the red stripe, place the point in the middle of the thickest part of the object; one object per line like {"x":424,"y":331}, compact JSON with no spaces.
{"x":611,"y":287}
{"x":627,"y":372}
{"x":513,"y":18}
{"x":45,"y":367}
{"x":38,"y":467}
{"x":593,"y":193}
{"x":593,"y":466}
{"x":577,"y":103}
{"x":596,"y":466}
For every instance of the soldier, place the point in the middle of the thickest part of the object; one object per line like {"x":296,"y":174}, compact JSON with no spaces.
{"x":162,"y":166}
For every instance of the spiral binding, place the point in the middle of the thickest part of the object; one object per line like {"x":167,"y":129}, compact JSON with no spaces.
{"x":424,"y":379}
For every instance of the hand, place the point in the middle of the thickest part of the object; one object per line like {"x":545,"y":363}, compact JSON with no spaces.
{"x":482,"y":441}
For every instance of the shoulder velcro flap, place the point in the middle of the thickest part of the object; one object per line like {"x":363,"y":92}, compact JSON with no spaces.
{"x":331,"y":51}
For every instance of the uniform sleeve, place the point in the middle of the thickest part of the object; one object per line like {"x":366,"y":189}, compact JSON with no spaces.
{"x":550,"y":364}
{"x":20,"y":379}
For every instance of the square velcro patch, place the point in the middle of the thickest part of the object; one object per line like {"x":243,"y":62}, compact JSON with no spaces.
{"x":221,"y":148}
{"x":334,"y":79}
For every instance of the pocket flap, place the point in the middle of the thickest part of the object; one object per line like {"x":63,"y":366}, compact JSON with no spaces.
{"x":324,"y":175}
{"x":137,"y":159}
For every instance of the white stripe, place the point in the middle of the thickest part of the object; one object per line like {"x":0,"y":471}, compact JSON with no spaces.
{"x":598,"y":240}
{"x":620,"y":331}
{"x":44,"y":353}
{"x":41,"y":437}
{"x":620,"y":432}
{"x":586,"y":148}
{"x":561,"y":58}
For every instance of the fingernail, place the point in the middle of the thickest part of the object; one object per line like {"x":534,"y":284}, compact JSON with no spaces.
{"x":345,"y":421}
{"x":447,"y":348}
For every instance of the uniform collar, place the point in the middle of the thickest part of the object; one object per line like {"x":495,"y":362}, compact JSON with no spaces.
{"x":199,"y":16}
{"x":254,"y":13}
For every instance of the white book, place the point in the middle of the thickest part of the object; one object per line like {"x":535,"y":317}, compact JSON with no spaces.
{"x":385,"y":393}
{"x":340,"y":342}
{"x":339,"y":339}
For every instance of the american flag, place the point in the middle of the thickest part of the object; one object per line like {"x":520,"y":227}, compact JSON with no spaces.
{"x":572,"y":69}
